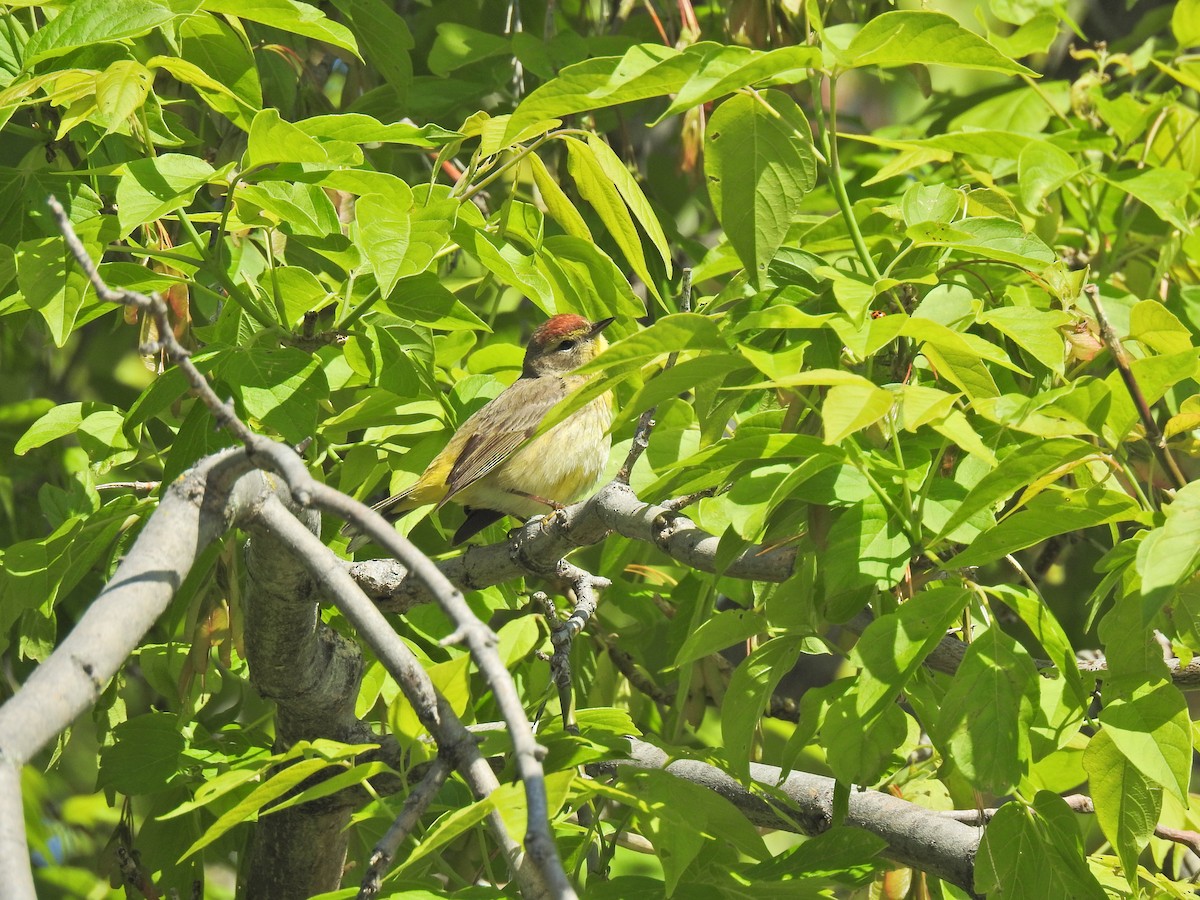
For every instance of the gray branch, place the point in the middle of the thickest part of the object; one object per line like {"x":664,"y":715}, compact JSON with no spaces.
{"x":307,"y":492}
{"x":196,"y":509}
{"x":915,"y":836}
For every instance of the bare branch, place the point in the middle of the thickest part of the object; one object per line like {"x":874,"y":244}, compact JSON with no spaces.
{"x":415,"y":804}
{"x":196,"y":509}
{"x":454,"y":742}
{"x":14,"y":849}
{"x":803,"y":803}
{"x":1153,"y":433}
{"x":1080,"y":803}
{"x":308,"y":492}
{"x":141,"y":487}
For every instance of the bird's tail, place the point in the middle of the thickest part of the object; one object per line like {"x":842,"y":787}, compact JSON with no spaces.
{"x":392,"y":508}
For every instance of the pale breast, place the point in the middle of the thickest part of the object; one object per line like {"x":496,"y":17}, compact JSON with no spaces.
{"x":561,"y":465}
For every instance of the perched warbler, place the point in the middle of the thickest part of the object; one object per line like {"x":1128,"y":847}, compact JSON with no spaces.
{"x":492,"y":468}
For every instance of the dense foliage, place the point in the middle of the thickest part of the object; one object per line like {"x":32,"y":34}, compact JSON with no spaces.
{"x":357,"y":213}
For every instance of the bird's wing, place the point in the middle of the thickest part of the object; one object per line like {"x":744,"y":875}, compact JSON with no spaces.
{"x":497,"y":430}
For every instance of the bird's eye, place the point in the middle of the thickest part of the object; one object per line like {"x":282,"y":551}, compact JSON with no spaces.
{"x":567,"y":345}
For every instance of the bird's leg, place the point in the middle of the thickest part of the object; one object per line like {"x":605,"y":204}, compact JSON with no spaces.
{"x":555,"y":507}
{"x":553,"y":504}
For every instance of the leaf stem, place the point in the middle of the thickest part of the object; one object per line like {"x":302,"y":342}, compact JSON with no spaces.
{"x":828,"y":134}
{"x":232,"y":291}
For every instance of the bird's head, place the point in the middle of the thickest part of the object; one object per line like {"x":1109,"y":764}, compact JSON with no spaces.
{"x":563,"y":343}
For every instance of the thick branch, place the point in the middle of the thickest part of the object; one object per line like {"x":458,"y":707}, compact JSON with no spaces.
{"x":454,"y":742}
{"x":313,"y":674}
{"x":195,"y":510}
{"x":916,"y":837}
{"x":308,"y":492}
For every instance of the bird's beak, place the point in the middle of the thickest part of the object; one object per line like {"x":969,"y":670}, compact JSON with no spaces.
{"x":598,"y":327}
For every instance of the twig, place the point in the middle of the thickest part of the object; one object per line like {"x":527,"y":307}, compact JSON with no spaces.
{"x":307,"y":492}
{"x":1080,"y":803}
{"x":1157,"y":442}
{"x":454,"y":741}
{"x":414,"y":807}
{"x":641,"y":434}
{"x":628,"y":667}
{"x":803,"y":803}
{"x":678,"y":503}
{"x":133,"y":875}
{"x":142,"y":487}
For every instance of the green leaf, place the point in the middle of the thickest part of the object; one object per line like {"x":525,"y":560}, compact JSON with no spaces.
{"x":750,"y":688}
{"x":509,"y":265}
{"x":596,"y":187}
{"x":730,"y":68}
{"x":401,"y":236}
{"x":425,"y":300}
{"x":612,"y":166}
{"x":517,"y":639}
{"x":1152,"y":729}
{"x":893,"y":646}
{"x":1158,"y":328}
{"x":58,"y":422}
{"x":759,"y":164}
{"x":84,"y":23}
{"x":930,"y":203}
{"x":1185,"y":23}
{"x":452,"y":679}
{"x":1169,"y":555}
{"x":1024,"y":465}
{"x":290,"y":16}
{"x":1036,"y":331}
{"x":725,"y":629}
{"x":458,"y":45}
{"x":1042,"y":168}
{"x":300,"y":208}
{"x":1164,"y":191}
{"x":151,"y":188}
{"x":923,"y":38}
{"x":52,"y":283}
{"x":646,"y":70}
{"x":1048,"y":514}
{"x":213,"y":92}
{"x":281,"y":388}
{"x":680,"y":331}
{"x":984,"y":721}
{"x":1041,"y":622}
{"x":510,"y":800}
{"x":121,"y":89}
{"x":861,"y":752}
{"x":362,"y":129}
{"x":852,"y":407}
{"x":1154,"y":375}
{"x":247,"y":810}
{"x":272,"y":140}
{"x":230,"y":83}
{"x":1127,"y":803}
{"x":866,"y":549}
{"x":385,"y":40}
{"x":957,"y":356}
{"x":681,"y":818}
{"x":557,"y":203}
{"x":144,"y":755}
{"x":1035,"y":852}
{"x":991,"y":236}
{"x":591,"y":276}
{"x":843,"y":855}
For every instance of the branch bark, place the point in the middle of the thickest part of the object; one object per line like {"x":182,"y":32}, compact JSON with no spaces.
{"x":916,"y":837}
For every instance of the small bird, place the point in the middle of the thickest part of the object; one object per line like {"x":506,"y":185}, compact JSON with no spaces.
{"x":492,"y":468}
